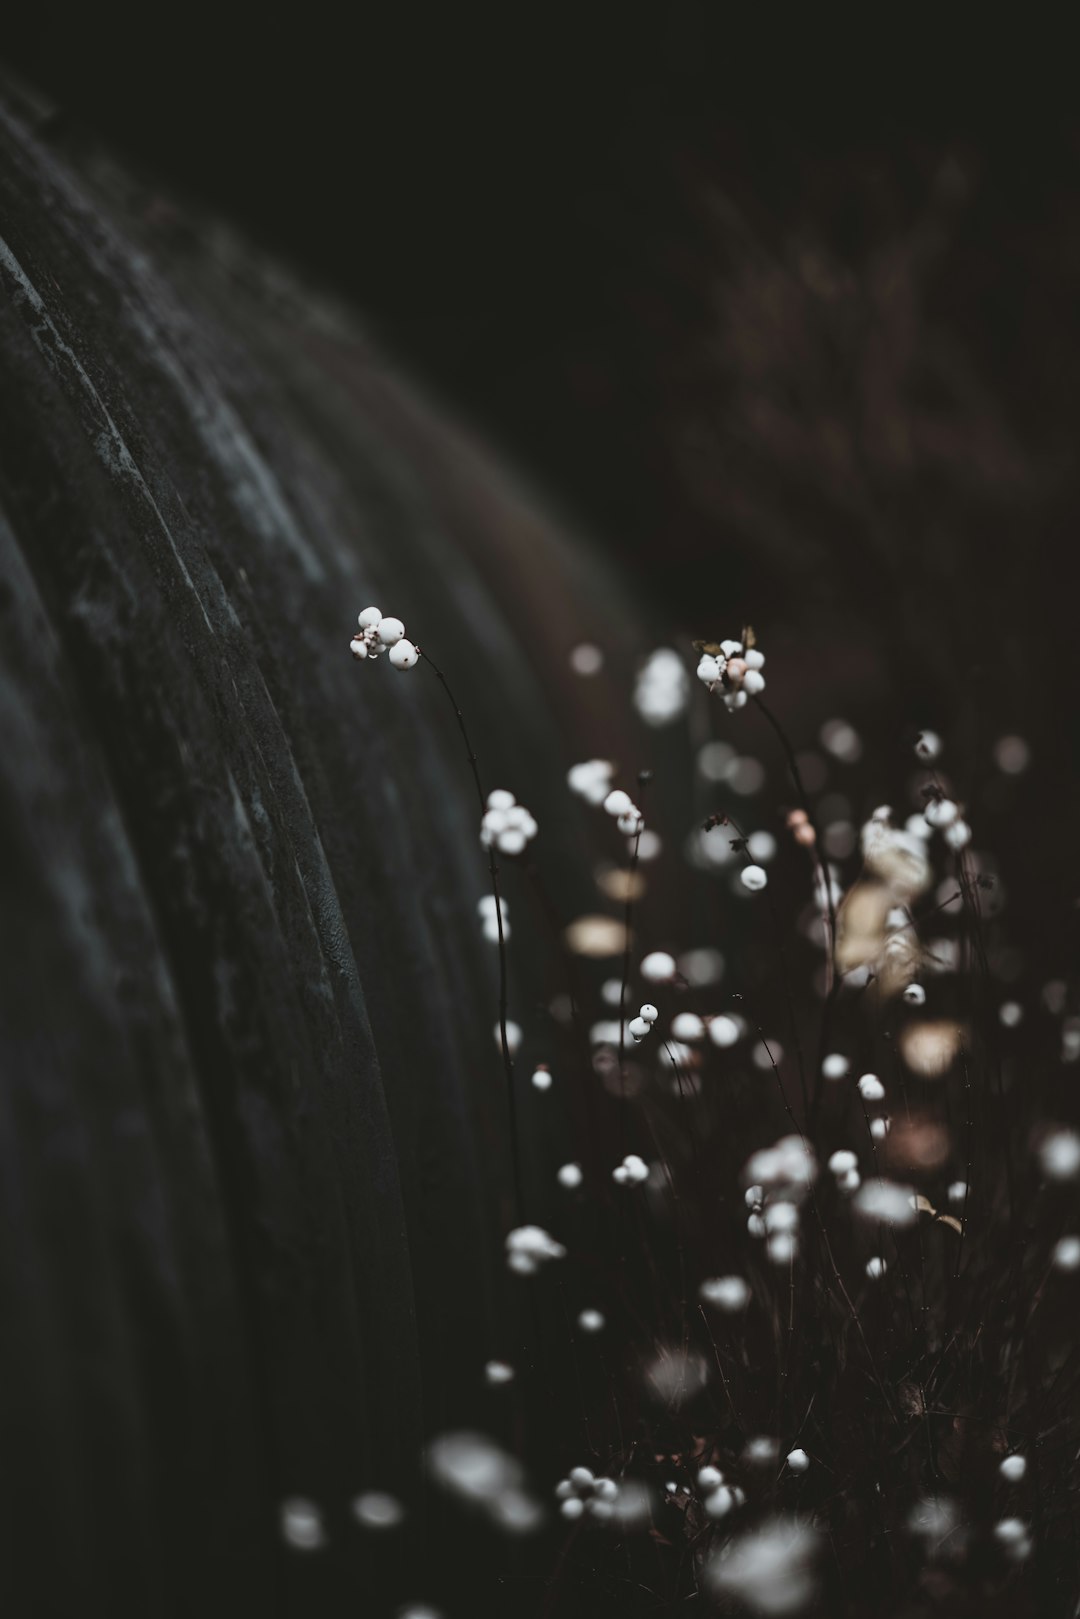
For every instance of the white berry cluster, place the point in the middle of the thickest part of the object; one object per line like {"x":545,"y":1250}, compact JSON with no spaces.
{"x":530,"y":1246}
{"x":506,"y":823}
{"x":378,"y":635}
{"x":735,"y":669}
{"x":631,"y":1172}
{"x":591,"y":780}
{"x":780,"y":1177}
{"x":621,"y":807}
{"x":718,"y":1498}
{"x":489,"y":917}
{"x":639,"y":1026}
{"x":581,"y":1494}
{"x":845,"y":1168}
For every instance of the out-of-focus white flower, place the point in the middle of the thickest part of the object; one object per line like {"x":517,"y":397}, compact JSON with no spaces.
{"x":871,"y":1089}
{"x":915,"y":995}
{"x":941,"y":812}
{"x":591,"y":780}
{"x":676,"y":1375}
{"x":1059,"y":1155}
{"x":769,"y":1569}
{"x":898,"y":857}
{"x":633,"y":1171}
{"x":479,"y":1472}
{"x":724,"y":1031}
{"x":786,"y":1171}
{"x":1013,"y":1538}
{"x":1067,"y":1254}
{"x":639,"y":1026}
{"x":489,"y":918}
{"x":530,"y":1246}
{"x":728,"y":1293}
{"x":885,"y":1201}
{"x":662,"y":689}
{"x":658,"y":967}
{"x":302,"y":1525}
{"x":581,"y":1495}
{"x":375,"y":1509}
{"x":1012,"y":755}
{"x":842,"y":741}
{"x":957,"y":1191}
{"x":928,"y":745}
{"x":506,"y":824}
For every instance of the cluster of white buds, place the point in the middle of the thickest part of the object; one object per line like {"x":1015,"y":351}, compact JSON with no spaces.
{"x":728,"y":1293}
{"x":591,"y":780}
{"x":489,"y":917}
{"x":733,"y":668}
{"x":631,"y":1172}
{"x":639,"y":1026}
{"x":506,"y":823}
{"x":530,"y":1246}
{"x":943,"y":814}
{"x":621,"y":807}
{"x":718,"y":1498}
{"x":581,"y":1494}
{"x":845,"y":1167}
{"x":378,"y":635}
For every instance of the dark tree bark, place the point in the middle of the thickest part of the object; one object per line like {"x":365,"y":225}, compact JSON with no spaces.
{"x":252,"y":1130}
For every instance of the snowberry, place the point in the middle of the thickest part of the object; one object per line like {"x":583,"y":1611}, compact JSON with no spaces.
{"x":871,"y":1089}
{"x":541,"y":1078}
{"x":403,"y":655}
{"x":754,"y":878}
{"x":658,"y":967}
{"x":570,"y":1176}
{"x":915,"y":995}
{"x":506,"y":824}
{"x":369,"y":618}
{"x":498,"y":1371}
{"x":798,"y":1460}
{"x":390,"y":631}
{"x":529,"y":1246}
{"x":648,"y":1012}
{"x":632,"y":1171}
{"x":687,"y":1026}
{"x":618,"y":803}
{"x":728,"y":1293}
{"x":1059,"y":1155}
{"x":591,"y":1321}
{"x":1012,"y":1469}
{"x":709,"y":1478}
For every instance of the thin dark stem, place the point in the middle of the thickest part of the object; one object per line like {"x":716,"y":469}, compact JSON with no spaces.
{"x":508,"y":1061}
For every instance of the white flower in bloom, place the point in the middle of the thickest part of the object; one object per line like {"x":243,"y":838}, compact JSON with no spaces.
{"x":658,"y":967}
{"x":378,"y":635}
{"x":375,"y":1509}
{"x":506,"y":824}
{"x":769,"y":1569}
{"x":570,"y":1176}
{"x":754,"y":878}
{"x":591,"y":780}
{"x":662,"y":689}
{"x":728,"y":1293}
{"x":489,"y":918}
{"x":631,"y":1172}
{"x":735,"y":672}
{"x":1059,"y":1155}
{"x":302,"y":1525}
{"x":1012,"y":1469}
{"x":529,"y":1246}
{"x":885,"y":1201}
